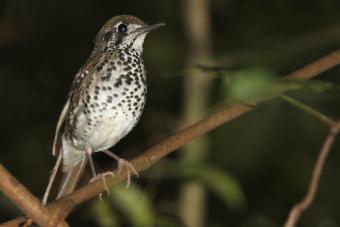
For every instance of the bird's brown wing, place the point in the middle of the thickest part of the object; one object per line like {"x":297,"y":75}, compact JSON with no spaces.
{"x":57,"y":136}
{"x":78,"y":84}
{"x":72,"y":176}
{"x":57,"y":147}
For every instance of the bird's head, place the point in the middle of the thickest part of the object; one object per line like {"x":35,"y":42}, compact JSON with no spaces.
{"x":123,"y":32}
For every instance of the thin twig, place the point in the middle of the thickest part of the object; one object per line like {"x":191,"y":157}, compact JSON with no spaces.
{"x":29,"y":204}
{"x":297,"y":209}
{"x":154,"y":154}
{"x":320,"y":116}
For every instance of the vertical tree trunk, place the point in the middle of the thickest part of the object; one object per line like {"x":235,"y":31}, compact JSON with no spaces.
{"x":196,"y":94}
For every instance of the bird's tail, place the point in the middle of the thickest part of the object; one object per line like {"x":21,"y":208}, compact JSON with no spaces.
{"x":52,"y":178}
{"x":71,"y":178}
{"x":71,"y":171}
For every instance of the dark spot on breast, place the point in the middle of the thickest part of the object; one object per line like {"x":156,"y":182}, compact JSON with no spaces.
{"x":128,"y":80}
{"x":109,"y":98}
{"x":127,"y":68}
{"x":118,"y":83}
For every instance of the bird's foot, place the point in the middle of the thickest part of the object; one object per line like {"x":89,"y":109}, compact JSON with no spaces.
{"x":102,"y":177}
{"x":124,"y":164}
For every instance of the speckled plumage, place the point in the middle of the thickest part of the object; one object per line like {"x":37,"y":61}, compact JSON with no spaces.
{"x":106,"y":98}
{"x":109,"y":100}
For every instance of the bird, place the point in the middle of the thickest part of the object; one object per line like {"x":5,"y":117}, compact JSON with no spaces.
{"x":104,"y":103}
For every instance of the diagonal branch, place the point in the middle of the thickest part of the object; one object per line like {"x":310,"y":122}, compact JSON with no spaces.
{"x":216,"y":119}
{"x":153,"y":155}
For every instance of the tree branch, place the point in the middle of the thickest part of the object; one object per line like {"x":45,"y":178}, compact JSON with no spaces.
{"x":151,"y":156}
{"x":297,"y":210}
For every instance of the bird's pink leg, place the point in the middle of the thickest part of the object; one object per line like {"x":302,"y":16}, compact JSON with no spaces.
{"x":122,"y":163}
{"x":95,"y":175}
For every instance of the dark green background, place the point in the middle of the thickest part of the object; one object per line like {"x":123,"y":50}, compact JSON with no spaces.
{"x":270,"y":151}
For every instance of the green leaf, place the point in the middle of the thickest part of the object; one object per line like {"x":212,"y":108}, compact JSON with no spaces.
{"x":223,"y":185}
{"x":104,"y":215}
{"x":167,"y":221}
{"x":220,"y":183}
{"x":134,"y":203}
{"x":249,"y":84}
{"x":319,"y":86}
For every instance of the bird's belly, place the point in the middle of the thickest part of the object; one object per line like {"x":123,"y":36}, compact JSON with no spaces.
{"x":107,"y":112}
{"x":104,"y":132}
{"x":110,"y":130}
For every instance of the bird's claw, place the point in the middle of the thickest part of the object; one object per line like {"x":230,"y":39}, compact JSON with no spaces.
{"x":102,"y":177}
{"x":122,"y":163}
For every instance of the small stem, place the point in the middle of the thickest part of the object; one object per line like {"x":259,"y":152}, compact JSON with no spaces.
{"x":323,"y":118}
{"x":298,"y":208}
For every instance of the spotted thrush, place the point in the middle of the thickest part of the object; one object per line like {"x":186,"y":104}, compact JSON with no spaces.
{"x":104,"y":103}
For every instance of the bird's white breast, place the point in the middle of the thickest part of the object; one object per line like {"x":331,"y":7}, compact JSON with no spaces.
{"x":111,"y":108}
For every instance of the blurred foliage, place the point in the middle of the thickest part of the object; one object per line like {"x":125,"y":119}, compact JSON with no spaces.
{"x":258,"y":164}
{"x":134,"y":204}
{"x":248,"y":84}
{"x":220,"y":183}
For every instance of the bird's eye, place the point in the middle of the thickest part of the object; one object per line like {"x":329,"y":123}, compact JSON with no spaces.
{"x":122,"y":28}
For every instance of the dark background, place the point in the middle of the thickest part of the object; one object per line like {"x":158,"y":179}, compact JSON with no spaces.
{"x":263,"y":159}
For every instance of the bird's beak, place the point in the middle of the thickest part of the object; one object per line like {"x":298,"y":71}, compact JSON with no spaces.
{"x":149,"y":28}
